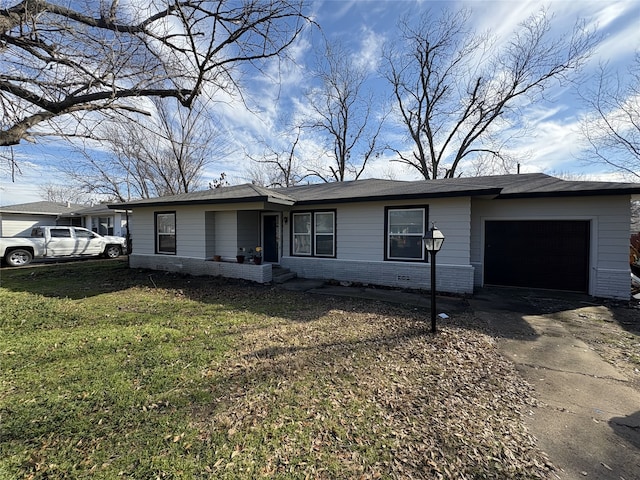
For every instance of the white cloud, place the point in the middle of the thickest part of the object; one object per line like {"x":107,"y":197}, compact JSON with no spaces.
{"x":368,"y":55}
{"x":609,"y":12}
{"x":510,"y":14}
{"x":337,"y":9}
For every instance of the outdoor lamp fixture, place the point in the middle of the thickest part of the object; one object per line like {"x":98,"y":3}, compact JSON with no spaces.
{"x":433,"y":241}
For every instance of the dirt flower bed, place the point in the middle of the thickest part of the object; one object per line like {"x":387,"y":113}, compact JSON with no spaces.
{"x":367,"y":391}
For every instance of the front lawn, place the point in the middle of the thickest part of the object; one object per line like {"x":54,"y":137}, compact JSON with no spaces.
{"x":109,"y":372}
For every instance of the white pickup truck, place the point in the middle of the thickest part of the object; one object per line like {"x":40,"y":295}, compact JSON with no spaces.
{"x":57,"y":242}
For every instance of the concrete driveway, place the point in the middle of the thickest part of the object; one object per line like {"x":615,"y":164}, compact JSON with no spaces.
{"x":588,"y":420}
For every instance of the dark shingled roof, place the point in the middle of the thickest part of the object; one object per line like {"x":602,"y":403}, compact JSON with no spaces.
{"x":94,"y":210}
{"x":540,"y":185}
{"x":234,"y":194}
{"x":374,"y":189}
{"x":499,"y":186}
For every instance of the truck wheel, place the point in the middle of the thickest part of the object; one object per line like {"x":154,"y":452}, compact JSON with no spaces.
{"x":112,"y":251}
{"x":18,"y":257}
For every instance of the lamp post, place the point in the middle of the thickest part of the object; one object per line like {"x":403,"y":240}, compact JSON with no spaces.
{"x":433,"y":241}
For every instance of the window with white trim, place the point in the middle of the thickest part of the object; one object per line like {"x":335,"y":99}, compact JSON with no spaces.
{"x":314,"y":234}
{"x":324,"y":234}
{"x":302,"y":234}
{"x":166,"y":232}
{"x":405,"y":228}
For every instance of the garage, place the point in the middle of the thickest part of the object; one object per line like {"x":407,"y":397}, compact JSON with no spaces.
{"x":549,"y":254}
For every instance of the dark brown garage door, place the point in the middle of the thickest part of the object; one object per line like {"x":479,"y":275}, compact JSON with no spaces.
{"x":538,"y":254}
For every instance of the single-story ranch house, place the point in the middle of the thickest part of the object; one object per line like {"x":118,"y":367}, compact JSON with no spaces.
{"x":529,"y":230}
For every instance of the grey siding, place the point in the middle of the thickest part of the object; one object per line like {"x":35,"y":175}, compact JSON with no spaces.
{"x":225,"y":227}
{"x":360,"y":248}
{"x":360,"y":228}
{"x":190,"y":231}
{"x":143,"y":231}
{"x":248,"y":230}
{"x":210,"y":234}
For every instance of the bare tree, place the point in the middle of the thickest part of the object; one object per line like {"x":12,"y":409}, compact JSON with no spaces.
{"x":453,"y":87}
{"x":278,"y":167}
{"x":9,"y":163}
{"x":164,"y":157}
{"x":60,"y":65}
{"x":344,"y":115}
{"x":58,"y":193}
{"x":612,"y":127}
{"x":219,"y":182}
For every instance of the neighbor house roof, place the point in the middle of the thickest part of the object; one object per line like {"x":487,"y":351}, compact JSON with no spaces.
{"x":41,"y":208}
{"x":95,"y":210}
{"x":499,"y":186}
{"x":57,"y":209}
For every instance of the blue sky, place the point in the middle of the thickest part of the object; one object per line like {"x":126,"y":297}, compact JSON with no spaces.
{"x":552,"y":146}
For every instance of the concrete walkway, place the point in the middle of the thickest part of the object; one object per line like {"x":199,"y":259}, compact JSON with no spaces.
{"x":588,"y":420}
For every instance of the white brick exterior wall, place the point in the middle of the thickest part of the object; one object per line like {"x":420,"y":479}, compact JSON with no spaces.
{"x":201,"y":267}
{"x":612,"y":283}
{"x":449,"y":278}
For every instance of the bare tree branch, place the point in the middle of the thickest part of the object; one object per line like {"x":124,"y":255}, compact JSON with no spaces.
{"x":452,"y":87}
{"x":612,"y":127}
{"x":343,"y":114}
{"x":56,"y":61}
{"x":165,"y":156}
{"x":277,"y":167}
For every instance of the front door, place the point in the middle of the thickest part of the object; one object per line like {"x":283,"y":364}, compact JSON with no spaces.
{"x":270,"y":237}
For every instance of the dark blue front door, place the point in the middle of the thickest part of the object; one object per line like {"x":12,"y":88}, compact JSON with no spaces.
{"x":270,"y":240}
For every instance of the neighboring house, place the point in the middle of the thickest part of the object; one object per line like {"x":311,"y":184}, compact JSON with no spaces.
{"x":101,"y":219}
{"x":529,"y":230}
{"x":18,"y":220}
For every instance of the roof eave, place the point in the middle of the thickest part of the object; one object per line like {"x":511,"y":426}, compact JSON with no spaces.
{"x":577,"y":193}
{"x":491,"y":192}
{"x":18,"y":212}
{"x":224,"y":201}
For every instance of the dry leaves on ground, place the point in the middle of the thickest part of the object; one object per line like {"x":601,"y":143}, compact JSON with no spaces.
{"x":365,"y":391}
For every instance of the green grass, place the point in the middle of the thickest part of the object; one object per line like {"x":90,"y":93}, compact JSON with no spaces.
{"x":115,"y":373}
{"x":104,"y":383}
